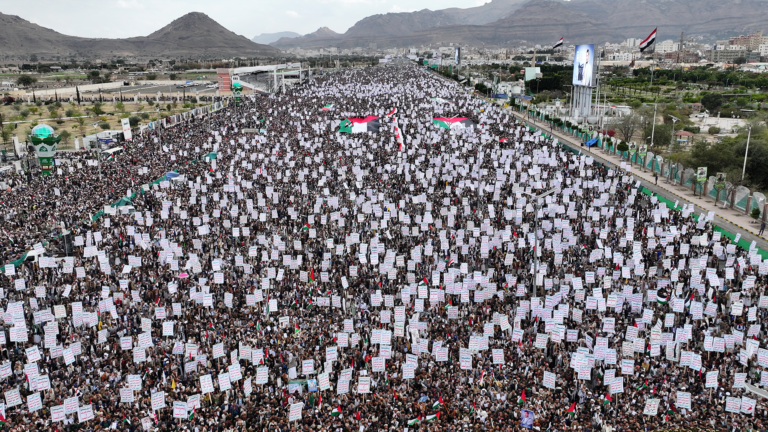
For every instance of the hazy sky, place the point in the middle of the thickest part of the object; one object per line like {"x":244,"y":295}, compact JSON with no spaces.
{"x":126,"y":18}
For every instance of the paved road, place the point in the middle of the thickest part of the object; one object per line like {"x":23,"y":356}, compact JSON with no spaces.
{"x":674,"y":194}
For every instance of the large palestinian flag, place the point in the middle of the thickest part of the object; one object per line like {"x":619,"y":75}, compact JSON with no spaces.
{"x":453,"y":122}
{"x":355,"y":125}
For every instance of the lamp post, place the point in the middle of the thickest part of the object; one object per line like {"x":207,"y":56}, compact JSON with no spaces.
{"x":536,"y":199}
{"x":672,"y":136}
{"x":746,"y":152}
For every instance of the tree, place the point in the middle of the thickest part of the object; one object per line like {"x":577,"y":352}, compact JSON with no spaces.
{"x":622,"y":147}
{"x":714,"y":130}
{"x":26,"y":80}
{"x":712,"y":101}
{"x":65,"y":134}
{"x":96,"y":110}
{"x":81,"y":124}
{"x":7,"y":131}
{"x":626,"y":126}
{"x":151,"y":77}
{"x":172,"y":77}
{"x":134,"y":121}
{"x":120,"y":107}
{"x":104,"y":125}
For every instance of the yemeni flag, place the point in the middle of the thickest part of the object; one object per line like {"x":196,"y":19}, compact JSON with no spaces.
{"x":608,"y":399}
{"x":391,"y":113}
{"x":648,"y":41}
{"x":336,"y":412}
{"x":558,"y":44}
{"x":572,"y":409}
{"x":433,"y":417}
{"x":438,"y":403}
{"x":453,"y":122}
{"x":448,"y":260}
{"x":327,"y":107}
{"x":521,"y":399}
{"x":412,"y":422}
{"x":357,"y":125}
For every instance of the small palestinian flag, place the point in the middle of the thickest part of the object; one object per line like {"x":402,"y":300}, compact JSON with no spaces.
{"x":327,"y":107}
{"x":648,"y":41}
{"x":661,"y":298}
{"x":111,"y":157}
{"x":521,"y":399}
{"x":296,"y":331}
{"x":386,"y":379}
{"x":125,"y":419}
{"x":412,"y":422}
{"x":305,"y":227}
{"x":608,"y":399}
{"x":438,"y":403}
{"x":449,"y":305}
{"x":423,"y":282}
{"x":471,"y":410}
{"x":312,"y":275}
{"x":336,"y":411}
{"x":572,"y":409}
{"x":558,"y":44}
{"x":433,"y":417}
{"x":357,"y":125}
{"x":453,"y":122}
{"x":191,"y":415}
{"x":645,"y":385}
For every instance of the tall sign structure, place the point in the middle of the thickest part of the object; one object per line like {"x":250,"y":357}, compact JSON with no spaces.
{"x":583,"y":80}
{"x":45,"y":141}
{"x":237,"y":91}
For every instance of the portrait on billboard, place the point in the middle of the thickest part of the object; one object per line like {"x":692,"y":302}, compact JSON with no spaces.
{"x":583,"y":65}
{"x":457,"y":56}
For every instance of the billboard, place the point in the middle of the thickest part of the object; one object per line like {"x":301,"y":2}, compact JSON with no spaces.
{"x":531,"y":73}
{"x":457,"y":56}
{"x":583,"y":64}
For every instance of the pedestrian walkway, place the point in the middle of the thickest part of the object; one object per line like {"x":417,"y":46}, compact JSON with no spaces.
{"x":730,"y":219}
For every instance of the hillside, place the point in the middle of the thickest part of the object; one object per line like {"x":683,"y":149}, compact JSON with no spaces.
{"x":193,"y":35}
{"x":545,"y":21}
{"x":268,"y":38}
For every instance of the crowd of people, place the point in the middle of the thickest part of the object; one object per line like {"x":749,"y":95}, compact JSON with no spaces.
{"x":289,"y":277}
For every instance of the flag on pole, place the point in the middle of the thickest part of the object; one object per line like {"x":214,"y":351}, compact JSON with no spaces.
{"x":296,"y":331}
{"x":521,"y":399}
{"x":125,"y":419}
{"x":607,"y":399}
{"x":648,"y":41}
{"x":558,"y":44}
{"x":312,"y":275}
{"x":423,"y":282}
{"x":644,"y":385}
{"x":305,"y":227}
{"x":438,"y":403}
{"x":433,"y":417}
{"x":414,"y":421}
{"x":572,"y":409}
{"x":336,"y":411}
{"x":191,"y":415}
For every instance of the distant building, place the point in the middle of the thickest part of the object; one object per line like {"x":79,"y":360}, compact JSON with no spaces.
{"x":728,"y":56}
{"x":667,"y":46}
{"x":750,"y":42}
{"x":763,"y":49}
{"x":682,"y":57}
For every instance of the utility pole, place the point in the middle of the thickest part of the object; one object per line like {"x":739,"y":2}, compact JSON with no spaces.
{"x":536,"y":199}
{"x":680,"y":48}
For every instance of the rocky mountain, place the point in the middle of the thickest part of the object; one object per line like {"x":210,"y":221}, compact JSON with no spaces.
{"x":374,"y":27}
{"x":503,"y":22}
{"x":321,"y":37}
{"x":194,"y":35}
{"x":268,"y":38}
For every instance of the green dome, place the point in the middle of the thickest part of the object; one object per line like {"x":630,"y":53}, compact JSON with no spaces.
{"x":42,"y":131}
{"x":237,"y":84}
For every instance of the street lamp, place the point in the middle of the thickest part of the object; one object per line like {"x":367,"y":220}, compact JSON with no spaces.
{"x":746,"y":152}
{"x":536,"y":199}
{"x":672,"y":137}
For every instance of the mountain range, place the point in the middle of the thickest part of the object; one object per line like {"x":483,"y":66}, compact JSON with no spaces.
{"x":503,"y":22}
{"x":194,"y":35}
{"x":267,"y":38}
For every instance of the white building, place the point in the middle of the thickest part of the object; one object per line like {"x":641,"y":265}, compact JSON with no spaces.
{"x":764,"y":50}
{"x":667,"y":46}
